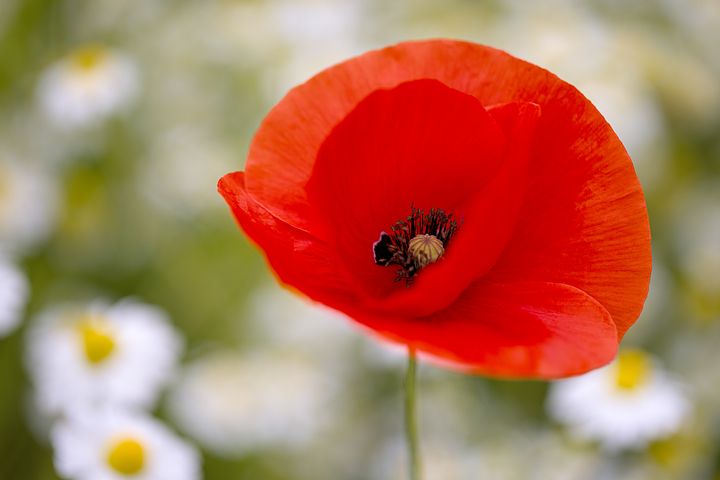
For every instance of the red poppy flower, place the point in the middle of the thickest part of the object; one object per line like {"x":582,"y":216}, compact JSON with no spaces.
{"x":455,"y":199}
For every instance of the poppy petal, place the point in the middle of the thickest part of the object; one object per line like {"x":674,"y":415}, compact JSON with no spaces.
{"x":297,"y":259}
{"x":488,"y":223}
{"x":284,"y":149}
{"x":398,"y":149}
{"x":520,"y":330}
{"x":584,"y":221}
{"x":293,"y":253}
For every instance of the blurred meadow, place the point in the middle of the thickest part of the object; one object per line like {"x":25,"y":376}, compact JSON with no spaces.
{"x":118,"y":117}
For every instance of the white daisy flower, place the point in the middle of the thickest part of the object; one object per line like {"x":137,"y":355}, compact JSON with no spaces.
{"x":88,"y":85}
{"x":98,"y":353}
{"x":14,"y":290}
{"x":116,"y":444}
{"x":233,"y":403}
{"x":28,"y":204}
{"x":284,"y":320}
{"x":624,"y":405}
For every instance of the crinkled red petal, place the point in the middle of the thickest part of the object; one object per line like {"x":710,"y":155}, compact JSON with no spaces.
{"x":404,"y":147}
{"x":519,"y":330}
{"x":584,"y":221}
{"x":297,"y":259}
{"x":531,"y":330}
{"x":489,"y":218}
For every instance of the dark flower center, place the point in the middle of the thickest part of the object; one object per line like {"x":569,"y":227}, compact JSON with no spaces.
{"x":415,"y":242}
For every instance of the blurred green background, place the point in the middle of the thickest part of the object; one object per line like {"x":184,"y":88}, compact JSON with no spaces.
{"x":127,"y":207}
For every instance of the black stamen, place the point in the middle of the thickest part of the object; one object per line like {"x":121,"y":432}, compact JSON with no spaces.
{"x":393,"y":248}
{"x":381,"y":250}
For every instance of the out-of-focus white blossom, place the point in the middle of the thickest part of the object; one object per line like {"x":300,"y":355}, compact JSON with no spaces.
{"x":88,"y":85}
{"x":316,"y":34}
{"x":596,"y":58}
{"x":440,"y":461}
{"x":119,"y":444}
{"x":624,"y":405}
{"x":384,"y":354}
{"x":101,"y":354}
{"x":537,"y":454}
{"x":28,"y":204}
{"x":14,"y":291}
{"x":699,"y":20}
{"x":180,"y":167}
{"x":285,"y":320}
{"x":559,"y":39}
{"x":237,"y":27}
{"x":697,"y":233}
{"x":233,"y":403}
{"x":280,"y":393}
{"x":526,"y":455}
{"x":685,"y":82}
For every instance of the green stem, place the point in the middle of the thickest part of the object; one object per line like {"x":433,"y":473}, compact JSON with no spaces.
{"x":411,"y":430}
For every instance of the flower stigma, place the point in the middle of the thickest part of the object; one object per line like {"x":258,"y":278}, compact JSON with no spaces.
{"x":633,"y":370}
{"x":98,"y":343}
{"x":126,"y":456}
{"x":415,"y":242}
{"x":426,"y":249}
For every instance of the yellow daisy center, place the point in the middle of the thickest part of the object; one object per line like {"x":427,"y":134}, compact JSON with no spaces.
{"x":98,"y":343}
{"x":126,"y":456}
{"x":88,"y":58}
{"x":632,"y":370}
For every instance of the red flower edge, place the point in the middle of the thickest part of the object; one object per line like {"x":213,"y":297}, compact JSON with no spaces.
{"x":551,"y":264}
